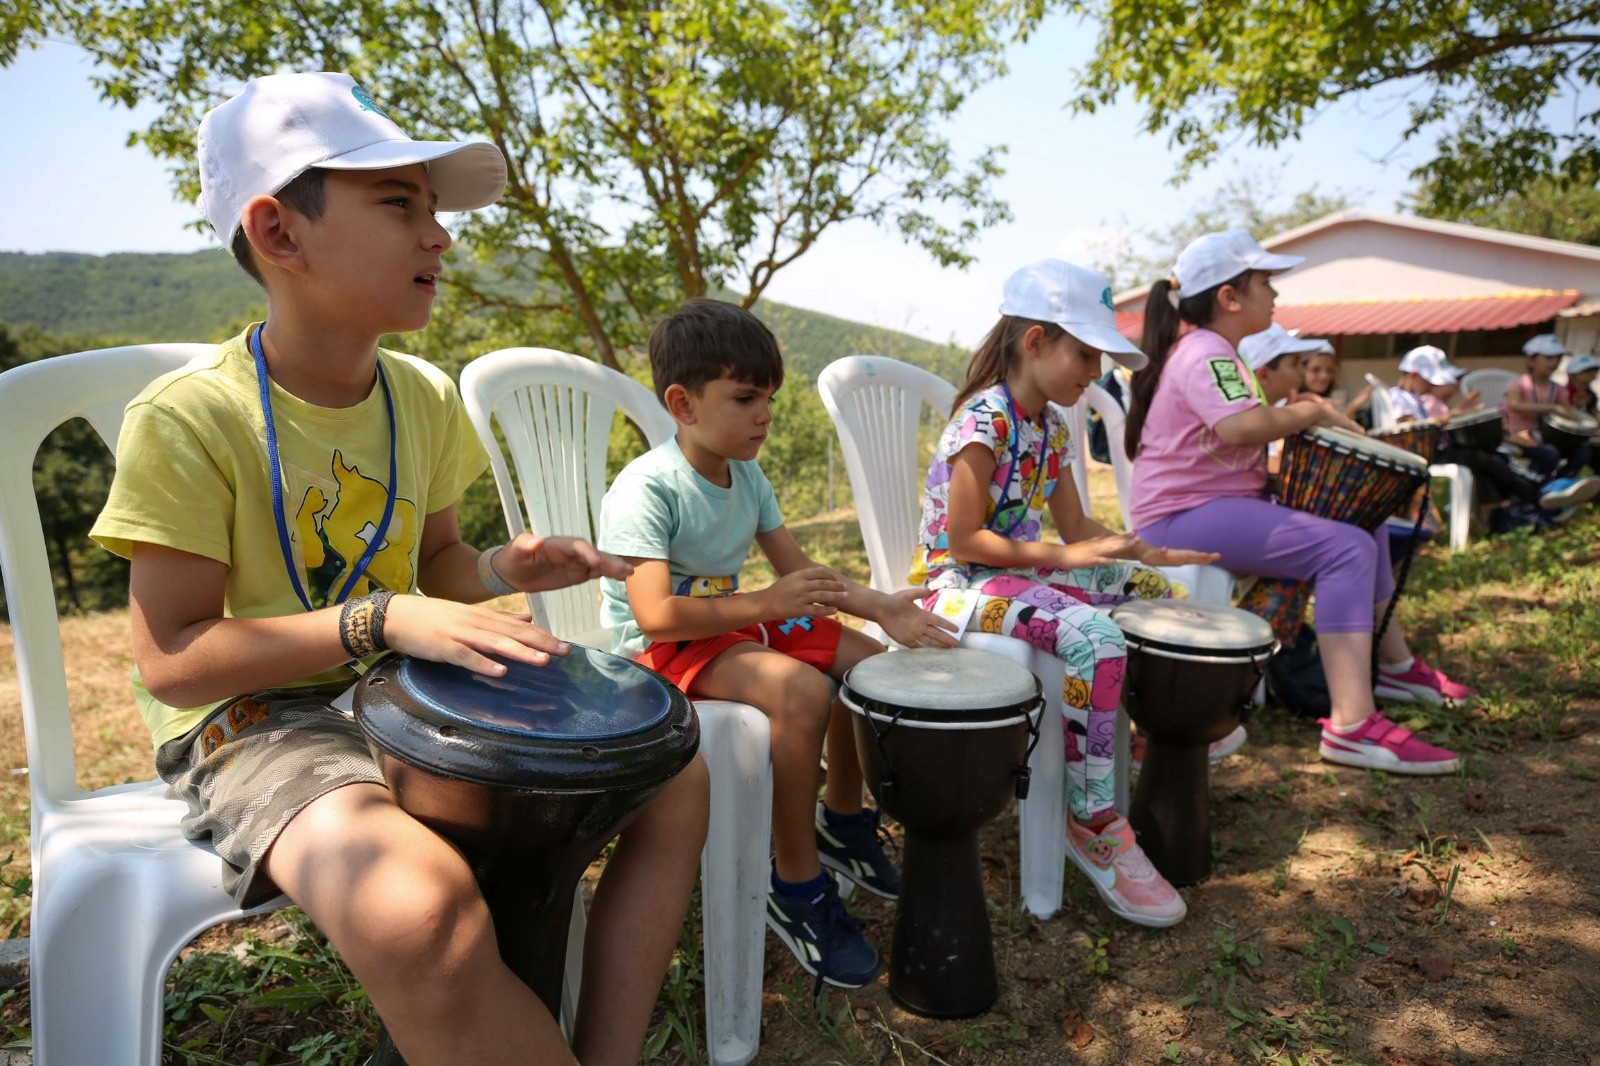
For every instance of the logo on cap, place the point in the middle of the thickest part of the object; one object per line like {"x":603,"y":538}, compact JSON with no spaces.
{"x":367,"y":102}
{"x":1105,"y":298}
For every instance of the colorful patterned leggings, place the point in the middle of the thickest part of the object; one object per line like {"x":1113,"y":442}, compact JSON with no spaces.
{"x":1054,"y":610}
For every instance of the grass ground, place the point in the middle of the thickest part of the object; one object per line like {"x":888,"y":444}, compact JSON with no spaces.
{"x":1353,"y":917}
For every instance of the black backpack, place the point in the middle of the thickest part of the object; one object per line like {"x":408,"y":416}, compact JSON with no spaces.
{"x":1295,"y":679}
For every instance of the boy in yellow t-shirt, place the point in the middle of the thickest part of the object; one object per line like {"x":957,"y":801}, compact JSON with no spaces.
{"x":282,"y":501}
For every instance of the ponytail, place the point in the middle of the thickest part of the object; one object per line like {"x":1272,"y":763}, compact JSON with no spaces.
{"x":992,"y":362}
{"x":1163,"y":321}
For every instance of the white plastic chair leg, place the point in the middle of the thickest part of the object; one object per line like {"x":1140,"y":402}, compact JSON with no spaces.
{"x":736,"y":742}
{"x":1042,"y":817}
{"x":1461,"y":495}
{"x":1123,"y":757}
{"x":572,"y":976}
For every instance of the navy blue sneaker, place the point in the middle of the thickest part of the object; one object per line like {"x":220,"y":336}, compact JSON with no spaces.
{"x":855,"y":852}
{"x":825,"y":938}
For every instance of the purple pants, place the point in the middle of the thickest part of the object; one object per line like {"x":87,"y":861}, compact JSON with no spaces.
{"x":1349,"y":566}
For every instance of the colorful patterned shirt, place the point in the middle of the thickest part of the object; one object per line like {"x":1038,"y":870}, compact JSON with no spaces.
{"x":1028,"y":457}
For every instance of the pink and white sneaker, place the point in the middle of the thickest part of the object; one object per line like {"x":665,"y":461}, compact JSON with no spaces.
{"x":1114,"y":863}
{"x":1420,"y":682}
{"x":1379,"y":744}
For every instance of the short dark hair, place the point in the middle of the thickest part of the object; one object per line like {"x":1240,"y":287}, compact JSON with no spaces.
{"x":707,"y":339}
{"x":305,"y":194}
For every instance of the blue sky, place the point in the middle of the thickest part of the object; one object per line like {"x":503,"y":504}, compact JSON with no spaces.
{"x":1074,"y":184}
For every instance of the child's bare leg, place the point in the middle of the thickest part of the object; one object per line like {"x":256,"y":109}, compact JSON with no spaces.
{"x":638,"y":909}
{"x":1392,"y":645}
{"x":402,"y":907}
{"x":1347,"y":662}
{"x":842,"y":789}
{"x":794,"y":697}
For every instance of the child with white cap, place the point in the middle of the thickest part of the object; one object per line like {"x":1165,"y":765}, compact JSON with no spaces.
{"x":1535,"y":394}
{"x":283,"y":501}
{"x":1002,"y":459}
{"x":1197,"y":429}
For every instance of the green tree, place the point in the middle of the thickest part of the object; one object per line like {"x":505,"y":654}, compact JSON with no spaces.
{"x":1545,"y":208}
{"x":1480,"y":72}
{"x":657,"y":150}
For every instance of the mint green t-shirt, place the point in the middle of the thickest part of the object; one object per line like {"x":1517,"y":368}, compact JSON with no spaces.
{"x":660,"y":507}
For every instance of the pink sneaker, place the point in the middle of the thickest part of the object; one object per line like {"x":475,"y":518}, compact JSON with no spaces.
{"x":1379,"y":744}
{"x":1421,"y":682}
{"x":1114,"y":863}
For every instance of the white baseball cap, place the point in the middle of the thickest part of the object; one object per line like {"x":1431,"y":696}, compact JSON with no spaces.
{"x":1430,"y":363}
{"x":1074,"y":298}
{"x":281,"y":125}
{"x":1217,"y":257}
{"x":1259,"y":349}
{"x":1418,"y":355}
{"x":1544,"y":344}
{"x":1579,"y":363}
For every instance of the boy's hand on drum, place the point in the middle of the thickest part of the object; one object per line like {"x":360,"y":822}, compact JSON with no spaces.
{"x":446,"y":631}
{"x":907,"y":623}
{"x":537,"y":564}
{"x":811,"y":592}
{"x":1329,"y":416}
{"x":1098,"y":551}
{"x":1154,"y":556}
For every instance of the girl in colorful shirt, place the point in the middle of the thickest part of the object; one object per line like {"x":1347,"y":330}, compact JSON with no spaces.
{"x":997,"y":465}
{"x":1197,"y":428}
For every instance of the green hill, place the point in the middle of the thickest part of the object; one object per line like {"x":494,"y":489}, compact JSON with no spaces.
{"x":133,"y":297}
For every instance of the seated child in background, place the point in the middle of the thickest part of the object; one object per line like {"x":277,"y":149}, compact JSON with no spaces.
{"x":1321,"y":376}
{"x":685,"y":515}
{"x":1581,"y":373}
{"x":1534,"y":394}
{"x":1509,"y":499}
{"x":1003,"y":457}
{"x":1277,"y":358}
{"x":268,"y":570}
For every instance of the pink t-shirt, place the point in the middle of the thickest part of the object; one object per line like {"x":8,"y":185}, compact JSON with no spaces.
{"x":1181,"y":462}
{"x":1526,"y":390}
{"x":1435,"y":407}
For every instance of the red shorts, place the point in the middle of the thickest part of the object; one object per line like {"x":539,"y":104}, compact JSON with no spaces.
{"x":813,"y":641}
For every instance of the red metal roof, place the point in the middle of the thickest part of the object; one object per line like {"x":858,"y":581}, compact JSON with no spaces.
{"x":1422,"y":315}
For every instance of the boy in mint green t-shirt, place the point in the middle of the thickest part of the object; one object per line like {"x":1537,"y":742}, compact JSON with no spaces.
{"x":685,"y":515}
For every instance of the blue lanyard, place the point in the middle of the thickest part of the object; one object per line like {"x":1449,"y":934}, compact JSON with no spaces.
{"x":277,"y":481}
{"x":1014,"y":445}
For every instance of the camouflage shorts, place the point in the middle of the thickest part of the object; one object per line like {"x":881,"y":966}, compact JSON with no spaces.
{"x":253,"y":765}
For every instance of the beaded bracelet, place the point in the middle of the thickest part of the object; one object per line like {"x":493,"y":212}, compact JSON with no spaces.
{"x":497,"y":585}
{"x":361,"y":624}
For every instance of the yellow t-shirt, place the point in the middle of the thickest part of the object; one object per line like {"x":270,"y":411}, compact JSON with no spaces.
{"x":193,"y":474}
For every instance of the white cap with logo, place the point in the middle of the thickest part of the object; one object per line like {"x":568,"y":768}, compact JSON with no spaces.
{"x":1074,"y":298}
{"x":281,"y":125}
{"x":1580,"y":363}
{"x":1218,"y":257}
{"x":1430,"y":363}
{"x":1259,"y":349}
{"x":1544,"y":344}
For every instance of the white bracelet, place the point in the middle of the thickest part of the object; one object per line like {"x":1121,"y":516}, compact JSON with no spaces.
{"x":497,"y":585}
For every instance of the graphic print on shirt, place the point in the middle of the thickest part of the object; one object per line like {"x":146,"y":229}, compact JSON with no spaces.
{"x":337,"y":518}
{"x":708,"y":587}
{"x":1230,"y":383}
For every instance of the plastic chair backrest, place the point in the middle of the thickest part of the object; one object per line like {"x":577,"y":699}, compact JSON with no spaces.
{"x":1114,"y":418}
{"x":1490,"y":383}
{"x":877,"y":403}
{"x":1382,"y":407}
{"x":35,"y":398}
{"x":554,"y":410}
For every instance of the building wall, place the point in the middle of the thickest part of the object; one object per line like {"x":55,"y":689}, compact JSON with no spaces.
{"x":1369,"y":260}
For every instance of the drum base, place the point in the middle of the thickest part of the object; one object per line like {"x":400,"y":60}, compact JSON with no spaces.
{"x":941,"y":962}
{"x":1171,"y":810}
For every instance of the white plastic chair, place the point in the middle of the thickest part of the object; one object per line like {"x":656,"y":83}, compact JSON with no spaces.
{"x":877,"y":408}
{"x":117,"y":888}
{"x":1384,"y":416}
{"x":1490,"y":383}
{"x":555,"y":411}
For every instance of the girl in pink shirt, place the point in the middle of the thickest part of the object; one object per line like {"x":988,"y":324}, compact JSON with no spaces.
{"x":1198,"y":429}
